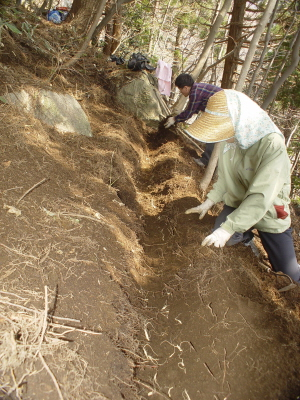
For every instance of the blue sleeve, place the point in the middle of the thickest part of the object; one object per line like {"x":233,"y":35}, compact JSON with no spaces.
{"x":192,"y":108}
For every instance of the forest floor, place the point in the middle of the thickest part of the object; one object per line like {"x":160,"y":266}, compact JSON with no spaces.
{"x":106,"y":292}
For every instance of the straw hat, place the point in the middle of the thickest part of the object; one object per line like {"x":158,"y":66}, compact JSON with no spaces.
{"x":213,"y":125}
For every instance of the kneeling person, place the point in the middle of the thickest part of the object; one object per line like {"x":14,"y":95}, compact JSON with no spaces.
{"x":253,"y":178}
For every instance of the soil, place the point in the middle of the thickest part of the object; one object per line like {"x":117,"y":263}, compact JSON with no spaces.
{"x":94,"y":231}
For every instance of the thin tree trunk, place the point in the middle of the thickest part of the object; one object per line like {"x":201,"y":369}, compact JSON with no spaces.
{"x":207,"y":47}
{"x":76,"y":6}
{"x":113,"y":34}
{"x":288,"y":71}
{"x":42,"y":8}
{"x":234,"y":43}
{"x":108,"y":31}
{"x":204,"y":72}
{"x":85,"y":44}
{"x":234,"y":37}
{"x":286,"y":58}
{"x":214,"y":75}
{"x":210,"y":169}
{"x":211,"y":37}
{"x":291,"y":135}
{"x":117,"y":32}
{"x":115,"y":8}
{"x":261,"y":85}
{"x":295,"y":162}
{"x":253,"y":44}
{"x":261,"y":60}
{"x":93,"y":27}
{"x":162,"y":24}
{"x":152,"y":33}
{"x":176,"y":59}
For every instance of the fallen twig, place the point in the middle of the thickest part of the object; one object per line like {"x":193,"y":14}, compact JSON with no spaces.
{"x":44,"y":321}
{"x":209,"y":371}
{"x":19,"y":306}
{"x":52,"y":376}
{"x":18,"y":252}
{"x":83,"y":216}
{"x":188,"y":138}
{"x":73,"y":328}
{"x":16,"y":384}
{"x":34,"y":342}
{"x":53,"y":323}
{"x":32,"y":188}
{"x":65,"y":319}
{"x":146,"y":385}
{"x":45,"y":256}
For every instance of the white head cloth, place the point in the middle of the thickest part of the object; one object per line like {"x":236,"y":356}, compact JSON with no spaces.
{"x":251,"y":123}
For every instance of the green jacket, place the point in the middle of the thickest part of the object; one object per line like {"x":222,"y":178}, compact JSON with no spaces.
{"x":256,"y":182}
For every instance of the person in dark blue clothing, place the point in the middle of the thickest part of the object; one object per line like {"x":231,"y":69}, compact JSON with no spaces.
{"x":198,"y":94}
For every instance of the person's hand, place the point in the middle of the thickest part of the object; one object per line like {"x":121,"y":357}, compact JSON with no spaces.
{"x":218,"y":238}
{"x":170,"y":121}
{"x":202,"y":209}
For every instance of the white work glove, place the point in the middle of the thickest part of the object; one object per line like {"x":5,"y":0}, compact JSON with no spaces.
{"x":218,"y":238}
{"x":170,"y":121}
{"x":202,"y":209}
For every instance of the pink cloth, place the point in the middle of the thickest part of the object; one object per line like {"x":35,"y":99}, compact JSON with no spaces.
{"x":163,"y":73}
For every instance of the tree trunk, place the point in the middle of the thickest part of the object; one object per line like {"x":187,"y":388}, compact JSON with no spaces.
{"x":262,"y":56}
{"x":291,"y":135}
{"x":116,"y":7}
{"x":113,"y":32}
{"x":108,"y":38}
{"x":234,"y":37}
{"x":88,"y":37}
{"x":176,"y":59}
{"x":288,"y":71}
{"x":295,"y":162}
{"x":207,"y":47}
{"x":177,"y":53}
{"x":211,"y":37}
{"x":253,"y":44}
{"x":108,"y":32}
{"x":117,"y":32}
{"x":43,"y":7}
{"x":82,"y":14}
{"x":210,"y":169}
{"x":234,"y":43}
{"x":93,"y":27}
{"x":161,"y":25}
{"x":153,"y":31}
{"x":266,"y":72}
{"x":77,"y":7}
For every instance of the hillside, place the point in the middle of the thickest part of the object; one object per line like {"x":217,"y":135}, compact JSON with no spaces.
{"x":106,"y":292}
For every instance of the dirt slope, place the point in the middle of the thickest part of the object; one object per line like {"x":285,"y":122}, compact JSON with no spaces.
{"x":94,"y":231}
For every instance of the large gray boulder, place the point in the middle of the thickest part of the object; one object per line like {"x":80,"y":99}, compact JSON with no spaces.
{"x":142,"y":98}
{"x":59,"y":110}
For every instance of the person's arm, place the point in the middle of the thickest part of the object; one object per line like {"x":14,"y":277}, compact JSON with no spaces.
{"x":192,"y":107}
{"x":271,"y":176}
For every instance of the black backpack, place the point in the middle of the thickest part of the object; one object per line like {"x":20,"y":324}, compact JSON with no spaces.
{"x":138,"y":62}
{"x":118,"y":60}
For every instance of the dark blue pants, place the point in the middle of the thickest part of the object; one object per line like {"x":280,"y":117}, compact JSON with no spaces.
{"x":205,"y":156}
{"x":279,"y":246}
